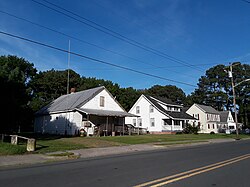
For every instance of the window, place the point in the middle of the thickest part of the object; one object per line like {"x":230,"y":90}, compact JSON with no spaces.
{"x":140,"y":122}
{"x":167,"y":122}
{"x":213,"y":126}
{"x":102,"y":99}
{"x":208,"y":126}
{"x":197,"y":116}
{"x":134,"y":122}
{"x":207,"y":117}
{"x":137,"y":109}
{"x":151,"y":108}
{"x":152,"y":122}
{"x":176,"y":122}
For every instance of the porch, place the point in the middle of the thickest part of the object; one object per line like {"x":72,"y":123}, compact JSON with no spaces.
{"x":173,"y":125}
{"x":104,"y":122}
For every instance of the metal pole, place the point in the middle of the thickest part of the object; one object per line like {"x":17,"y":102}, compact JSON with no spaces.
{"x":68,"y":68}
{"x":234,"y":102}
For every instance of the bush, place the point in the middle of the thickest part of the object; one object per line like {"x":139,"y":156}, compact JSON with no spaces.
{"x":179,"y":132}
{"x":212,"y":132}
{"x":189,"y":129}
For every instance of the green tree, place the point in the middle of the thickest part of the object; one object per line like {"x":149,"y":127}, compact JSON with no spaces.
{"x":171,"y":92}
{"x":90,"y":82}
{"x":15,"y":74}
{"x":49,"y":85}
{"x":241,"y":73}
{"x":215,"y":89}
{"x":127,"y":97}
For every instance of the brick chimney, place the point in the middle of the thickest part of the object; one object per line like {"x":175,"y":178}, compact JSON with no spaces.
{"x":72,"y":90}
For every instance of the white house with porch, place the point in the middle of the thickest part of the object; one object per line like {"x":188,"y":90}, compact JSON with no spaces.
{"x":226,"y":121}
{"x":95,"y":111}
{"x":158,"y":115}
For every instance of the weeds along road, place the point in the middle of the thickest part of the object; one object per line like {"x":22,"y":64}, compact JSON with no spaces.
{"x":223,"y":164}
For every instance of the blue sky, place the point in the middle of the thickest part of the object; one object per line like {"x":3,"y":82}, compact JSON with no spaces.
{"x":201,"y":33}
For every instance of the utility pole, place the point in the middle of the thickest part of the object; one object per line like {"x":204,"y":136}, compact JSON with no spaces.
{"x":230,"y":73}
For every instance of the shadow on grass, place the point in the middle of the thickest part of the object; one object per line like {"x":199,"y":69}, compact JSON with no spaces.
{"x":39,"y":147}
{"x":43,"y":136}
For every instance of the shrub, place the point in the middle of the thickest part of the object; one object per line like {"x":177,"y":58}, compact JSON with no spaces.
{"x":179,"y":132}
{"x":189,"y":129}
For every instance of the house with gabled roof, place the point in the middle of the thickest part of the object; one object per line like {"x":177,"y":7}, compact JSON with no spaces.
{"x":226,"y":121}
{"x":158,"y":115}
{"x":95,"y":111}
{"x":207,"y":118}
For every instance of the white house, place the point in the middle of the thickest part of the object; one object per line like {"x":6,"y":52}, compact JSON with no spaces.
{"x":94,"y":110}
{"x":158,"y":115}
{"x":226,"y":121}
{"x":208,"y":119}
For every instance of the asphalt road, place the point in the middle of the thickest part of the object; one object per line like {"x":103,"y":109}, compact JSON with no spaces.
{"x":224,"y":164}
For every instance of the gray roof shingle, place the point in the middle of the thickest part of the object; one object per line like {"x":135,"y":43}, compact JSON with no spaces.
{"x":224,"y":116}
{"x":70,"y":101}
{"x":208,"y":109}
{"x":106,"y":113}
{"x":172,"y":114}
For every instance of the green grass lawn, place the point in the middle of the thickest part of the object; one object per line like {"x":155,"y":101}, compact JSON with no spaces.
{"x":48,"y":143}
{"x":150,"y":138}
{"x":9,"y":149}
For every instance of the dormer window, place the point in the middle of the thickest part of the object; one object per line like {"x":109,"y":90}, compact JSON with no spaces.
{"x":102,"y":100}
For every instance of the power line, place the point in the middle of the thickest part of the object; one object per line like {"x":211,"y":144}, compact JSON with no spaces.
{"x":93,"y":59}
{"x":113,"y":33}
{"x":82,"y":41}
{"x":105,"y":49}
{"x":102,"y":48}
{"x":75,"y":38}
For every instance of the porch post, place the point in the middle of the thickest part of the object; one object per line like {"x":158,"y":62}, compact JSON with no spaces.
{"x":107,"y":125}
{"x":123,"y":121}
{"x":112,"y":125}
